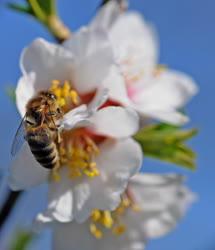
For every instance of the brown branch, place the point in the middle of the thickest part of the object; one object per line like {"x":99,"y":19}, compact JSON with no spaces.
{"x":8,"y":206}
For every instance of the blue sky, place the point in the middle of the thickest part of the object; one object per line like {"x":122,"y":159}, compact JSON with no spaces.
{"x":187,"y":42}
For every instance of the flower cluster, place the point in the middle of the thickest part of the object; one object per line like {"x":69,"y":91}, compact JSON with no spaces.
{"x":108,"y":85}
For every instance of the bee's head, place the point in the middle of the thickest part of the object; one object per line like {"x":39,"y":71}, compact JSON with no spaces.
{"x":51,"y":102}
{"x":49,"y":95}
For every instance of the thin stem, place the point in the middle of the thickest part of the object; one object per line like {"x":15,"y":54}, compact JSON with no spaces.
{"x":58,"y":28}
{"x":53,"y":7}
{"x":8,"y":206}
{"x":39,"y":13}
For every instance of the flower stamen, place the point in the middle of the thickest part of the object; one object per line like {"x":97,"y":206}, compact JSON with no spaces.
{"x":77,"y":149}
{"x":78,"y":154}
{"x":111,"y":220}
{"x":67,"y":97}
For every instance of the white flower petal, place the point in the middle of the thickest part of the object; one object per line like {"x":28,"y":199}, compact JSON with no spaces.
{"x":25,"y":171}
{"x":115,"y":122}
{"x":162,"y":96}
{"x":134,"y":41}
{"x":168,"y":90}
{"x":108,"y":14}
{"x":80,"y":116}
{"x":75,"y":199}
{"x":93,"y":58}
{"x":77,"y":117}
{"x":115,"y":83}
{"x":24,"y":92}
{"x":169,"y":116}
{"x":48,"y":61}
{"x":164,"y":201}
{"x":117,"y":162}
{"x":72,"y":236}
{"x":99,"y":99}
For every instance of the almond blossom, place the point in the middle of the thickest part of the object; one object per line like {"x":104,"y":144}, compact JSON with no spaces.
{"x":151,"y":207}
{"x":154,"y":90}
{"x":97,"y":154}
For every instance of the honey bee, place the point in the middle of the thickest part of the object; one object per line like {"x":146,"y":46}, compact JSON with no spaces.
{"x":39,"y":128}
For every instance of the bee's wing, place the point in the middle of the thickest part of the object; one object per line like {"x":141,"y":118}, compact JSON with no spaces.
{"x":19,"y":138}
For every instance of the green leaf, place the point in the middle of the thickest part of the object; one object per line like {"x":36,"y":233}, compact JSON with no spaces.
{"x":167,"y":143}
{"x":45,"y":11}
{"x":21,"y":8}
{"x":21,"y":241}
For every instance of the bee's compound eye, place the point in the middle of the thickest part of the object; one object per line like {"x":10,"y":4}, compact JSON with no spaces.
{"x":52,"y":96}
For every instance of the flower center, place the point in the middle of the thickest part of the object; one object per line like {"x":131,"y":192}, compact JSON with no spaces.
{"x":67,"y":97}
{"x":77,"y":153}
{"x":77,"y":149}
{"x":112,"y":221}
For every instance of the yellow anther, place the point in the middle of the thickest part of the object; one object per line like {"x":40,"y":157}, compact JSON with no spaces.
{"x":111,"y":220}
{"x":96,"y":215}
{"x":55,"y":83}
{"x":119,"y":230}
{"x":66,"y":89}
{"x":61,"y":102}
{"x":96,"y":172}
{"x":107,"y":219}
{"x":95,"y":231}
{"x":89,"y":173}
{"x":74,"y":97}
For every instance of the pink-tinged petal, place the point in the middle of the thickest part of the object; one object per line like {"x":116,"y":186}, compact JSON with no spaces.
{"x":25,"y":172}
{"x":115,"y":122}
{"x":93,"y":58}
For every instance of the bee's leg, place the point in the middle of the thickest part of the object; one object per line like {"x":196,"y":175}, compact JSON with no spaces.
{"x":42,"y":121}
{"x":59,"y":139}
{"x":59,"y":130}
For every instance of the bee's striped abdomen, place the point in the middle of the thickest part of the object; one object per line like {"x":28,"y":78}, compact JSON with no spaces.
{"x":43,"y":148}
